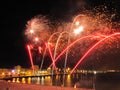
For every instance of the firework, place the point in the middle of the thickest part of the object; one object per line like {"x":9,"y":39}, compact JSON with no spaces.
{"x":92,"y":48}
{"x":38,"y":28}
{"x":30,"y":55}
{"x":87,"y":30}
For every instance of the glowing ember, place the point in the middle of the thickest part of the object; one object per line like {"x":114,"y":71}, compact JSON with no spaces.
{"x":77,"y":23}
{"x":78,"y":30}
{"x":40,"y":49}
{"x":31,"y":31}
{"x":36,"y":39}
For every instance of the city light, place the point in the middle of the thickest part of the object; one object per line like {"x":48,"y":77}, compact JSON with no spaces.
{"x":13,"y":71}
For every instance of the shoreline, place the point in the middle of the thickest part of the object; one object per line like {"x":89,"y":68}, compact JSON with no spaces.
{"x":4,"y":85}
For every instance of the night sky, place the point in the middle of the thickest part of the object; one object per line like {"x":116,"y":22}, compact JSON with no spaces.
{"x":15,"y":14}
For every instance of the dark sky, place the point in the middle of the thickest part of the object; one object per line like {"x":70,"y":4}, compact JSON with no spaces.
{"x":15,"y":14}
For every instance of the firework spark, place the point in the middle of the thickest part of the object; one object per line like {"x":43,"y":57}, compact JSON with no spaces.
{"x":92,"y":48}
{"x":72,"y":44}
{"x":37,"y":27}
{"x":30,"y":55}
{"x":84,"y":31}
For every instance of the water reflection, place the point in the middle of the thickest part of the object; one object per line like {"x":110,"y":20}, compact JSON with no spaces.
{"x":23,"y":80}
{"x":57,"y":80}
{"x":98,"y":81}
{"x":48,"y":80}
{"x":18,"y":81}
{"x":13,"y":80}
{"x":42,"y":81}
{"x":68,"y":80}
{"x":29,"y":80}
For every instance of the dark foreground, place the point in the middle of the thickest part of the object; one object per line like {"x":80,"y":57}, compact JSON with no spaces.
{"x":102,"y":81}
{"x":4,"y":85}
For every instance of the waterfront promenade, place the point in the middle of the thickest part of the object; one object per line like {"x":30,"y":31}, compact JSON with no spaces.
{"x":4,"y":85}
